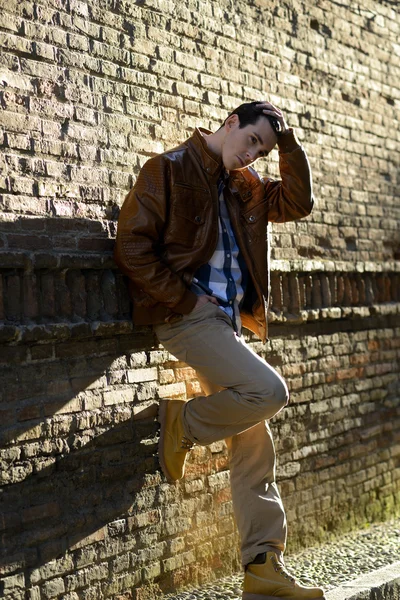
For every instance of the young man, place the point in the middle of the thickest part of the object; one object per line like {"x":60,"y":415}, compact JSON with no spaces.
{"x":192,"y":239}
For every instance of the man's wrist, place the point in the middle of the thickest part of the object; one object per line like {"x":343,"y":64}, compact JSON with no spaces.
{"x":288,"y":141}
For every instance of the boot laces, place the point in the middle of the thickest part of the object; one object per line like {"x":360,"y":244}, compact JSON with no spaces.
{"x":186,"y":444}
{"x":279,"y":568}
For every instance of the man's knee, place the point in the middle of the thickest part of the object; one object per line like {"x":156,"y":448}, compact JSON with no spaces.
{"x":281,"y":394}
{"x":273,"y":395}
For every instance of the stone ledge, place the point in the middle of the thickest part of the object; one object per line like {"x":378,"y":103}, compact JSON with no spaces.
{"x":382,"y":584}
{"x":50,"y":332}
{"x":332,"y":266}
{"x":334,"y":313}
{"x":23,"y":259}
{"x":56,"y":260}
{"x":42,"y":333}
{"x":81,"y":293}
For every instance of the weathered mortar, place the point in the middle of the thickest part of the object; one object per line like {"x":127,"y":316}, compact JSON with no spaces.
{"x":88,"y":93}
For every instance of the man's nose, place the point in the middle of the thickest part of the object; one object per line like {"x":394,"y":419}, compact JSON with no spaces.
{"x":250,"y":156}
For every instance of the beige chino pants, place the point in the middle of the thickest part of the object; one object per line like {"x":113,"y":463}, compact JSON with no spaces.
{"x":242,"y":392}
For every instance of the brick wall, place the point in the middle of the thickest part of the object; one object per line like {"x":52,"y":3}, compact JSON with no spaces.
{"x":88,"y":92}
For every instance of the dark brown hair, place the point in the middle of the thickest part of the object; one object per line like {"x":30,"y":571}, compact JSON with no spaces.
{"x":250,"y":112}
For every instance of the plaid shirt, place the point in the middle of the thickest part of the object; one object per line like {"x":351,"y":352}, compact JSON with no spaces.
{"x":225,"y":275}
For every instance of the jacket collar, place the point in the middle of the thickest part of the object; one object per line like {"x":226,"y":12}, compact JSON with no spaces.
{"x":237,"y":181}
{"x":210,"y":162}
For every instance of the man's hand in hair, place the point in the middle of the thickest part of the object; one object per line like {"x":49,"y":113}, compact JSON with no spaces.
{"x":276,"y":113}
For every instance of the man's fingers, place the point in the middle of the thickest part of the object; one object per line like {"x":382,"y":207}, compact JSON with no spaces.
{"x":273,"y":113}
{"x":269,"y":106}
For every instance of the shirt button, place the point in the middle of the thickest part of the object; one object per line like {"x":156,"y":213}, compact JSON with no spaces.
{"x":228,"y":255}
{"x":230,"y":301}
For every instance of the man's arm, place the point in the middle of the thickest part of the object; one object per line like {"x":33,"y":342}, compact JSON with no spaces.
{"x":292,"y":197}
{"x":139,"y":237}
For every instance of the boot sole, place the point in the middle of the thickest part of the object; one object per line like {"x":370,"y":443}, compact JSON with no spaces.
{"x":162,"y":417}
{"x":249,"y":596}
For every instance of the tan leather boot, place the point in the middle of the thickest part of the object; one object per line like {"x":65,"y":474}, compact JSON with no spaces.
{"x":173,"y":446}
{"x":271,"y":581}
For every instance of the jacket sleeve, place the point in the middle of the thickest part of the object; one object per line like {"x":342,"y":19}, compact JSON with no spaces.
{"x":138,"y":245}
{"x":291,"y":198}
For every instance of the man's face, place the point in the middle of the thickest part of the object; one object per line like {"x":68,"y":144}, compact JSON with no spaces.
{"x":242,"y":146}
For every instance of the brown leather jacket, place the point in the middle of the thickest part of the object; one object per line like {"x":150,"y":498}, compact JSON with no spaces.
{"x":168,"y":226}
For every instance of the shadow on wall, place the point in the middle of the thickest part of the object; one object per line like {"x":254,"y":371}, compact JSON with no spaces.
{"x":56,"y":303}
{"x":80,"y":471}
{"x":78,"y":435}
{"x":80,"y":493}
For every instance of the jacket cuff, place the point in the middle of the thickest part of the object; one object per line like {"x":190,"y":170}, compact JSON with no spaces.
{"x":186,"y":304}
{"x":287,"y":142}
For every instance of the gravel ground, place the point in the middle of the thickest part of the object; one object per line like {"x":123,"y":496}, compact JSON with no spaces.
{"x":328,"y":566}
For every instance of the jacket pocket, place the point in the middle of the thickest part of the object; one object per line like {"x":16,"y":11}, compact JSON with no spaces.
{"x":255,"y":221}
{"x":187,"y":217}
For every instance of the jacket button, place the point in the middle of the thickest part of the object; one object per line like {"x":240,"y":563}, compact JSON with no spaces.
{"x":197,"y":219}
{"x":252,"y":218}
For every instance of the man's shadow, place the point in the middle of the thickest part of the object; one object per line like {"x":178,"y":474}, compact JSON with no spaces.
{"x":63,"y":488}
{"x":81,"y":494}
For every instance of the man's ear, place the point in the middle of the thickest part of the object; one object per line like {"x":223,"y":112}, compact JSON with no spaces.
{"x":231,"y":121}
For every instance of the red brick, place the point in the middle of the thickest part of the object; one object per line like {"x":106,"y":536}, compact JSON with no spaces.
{"x":349,"y":373}
{"x":29,"y":412}
{"x":43,"y":511}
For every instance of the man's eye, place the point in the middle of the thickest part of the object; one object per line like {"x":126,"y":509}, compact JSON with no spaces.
{"x":253,"y":139}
